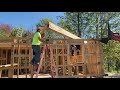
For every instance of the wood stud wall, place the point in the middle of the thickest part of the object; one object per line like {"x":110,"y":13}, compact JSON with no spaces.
{"x":87,"y":64}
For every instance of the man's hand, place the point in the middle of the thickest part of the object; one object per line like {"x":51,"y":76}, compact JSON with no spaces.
{"x":43,"y":39}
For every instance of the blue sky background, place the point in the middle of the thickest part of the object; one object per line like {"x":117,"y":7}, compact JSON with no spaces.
{"x":27,"y":19}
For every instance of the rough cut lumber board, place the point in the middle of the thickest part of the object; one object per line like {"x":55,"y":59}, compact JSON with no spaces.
{"x":59,"y":30}
{"x":9,"y":45}
{"x":8,"y":65}
{"x":29,"y":76}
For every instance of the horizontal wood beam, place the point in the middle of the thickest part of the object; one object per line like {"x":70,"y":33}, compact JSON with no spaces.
{"x":61,"y":31}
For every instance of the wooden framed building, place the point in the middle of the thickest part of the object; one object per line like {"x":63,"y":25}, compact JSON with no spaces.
{"x":84,"y":60}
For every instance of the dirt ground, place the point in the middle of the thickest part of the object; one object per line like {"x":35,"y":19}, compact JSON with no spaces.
{"x":112,"y":75}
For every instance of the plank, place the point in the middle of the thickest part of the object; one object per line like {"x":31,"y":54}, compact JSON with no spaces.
{"x":61,"y":31}
{"x":7,"y":65}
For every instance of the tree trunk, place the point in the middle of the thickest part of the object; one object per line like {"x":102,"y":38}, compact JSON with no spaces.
{"x":108,"y":66}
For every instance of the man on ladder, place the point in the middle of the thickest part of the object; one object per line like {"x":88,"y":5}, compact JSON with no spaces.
{"x":36,"y":42}
{"x":37,"y":60}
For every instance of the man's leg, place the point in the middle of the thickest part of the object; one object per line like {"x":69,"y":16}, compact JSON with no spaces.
{"x":32,"y":61}
{"x":37,"y":54}
{"x":36,"y":57}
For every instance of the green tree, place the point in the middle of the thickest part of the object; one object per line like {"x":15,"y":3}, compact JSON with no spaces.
{"x":111,"y":54}
{"x":91,"y":24}
{"x":19,"y":32}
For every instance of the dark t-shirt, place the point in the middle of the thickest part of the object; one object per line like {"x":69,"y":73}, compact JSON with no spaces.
{"x":78,"y":47}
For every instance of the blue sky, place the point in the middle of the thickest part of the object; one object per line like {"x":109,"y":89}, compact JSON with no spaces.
{"x":27,"y":19}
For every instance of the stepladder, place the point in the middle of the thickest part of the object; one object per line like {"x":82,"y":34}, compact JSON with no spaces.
{"x":52,"y":63}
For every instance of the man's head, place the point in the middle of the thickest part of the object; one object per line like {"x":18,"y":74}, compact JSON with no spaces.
{"x":38,"y":29}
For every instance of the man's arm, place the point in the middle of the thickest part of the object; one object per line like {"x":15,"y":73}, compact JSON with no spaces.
{"x":42,"y":39}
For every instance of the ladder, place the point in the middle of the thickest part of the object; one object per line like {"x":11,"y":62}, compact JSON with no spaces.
{"x":52,"y":64}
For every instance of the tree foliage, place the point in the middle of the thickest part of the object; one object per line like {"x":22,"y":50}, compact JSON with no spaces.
{"x":19,"y":32}
{"x":91,"y":24}
{"x":5,"y":30}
